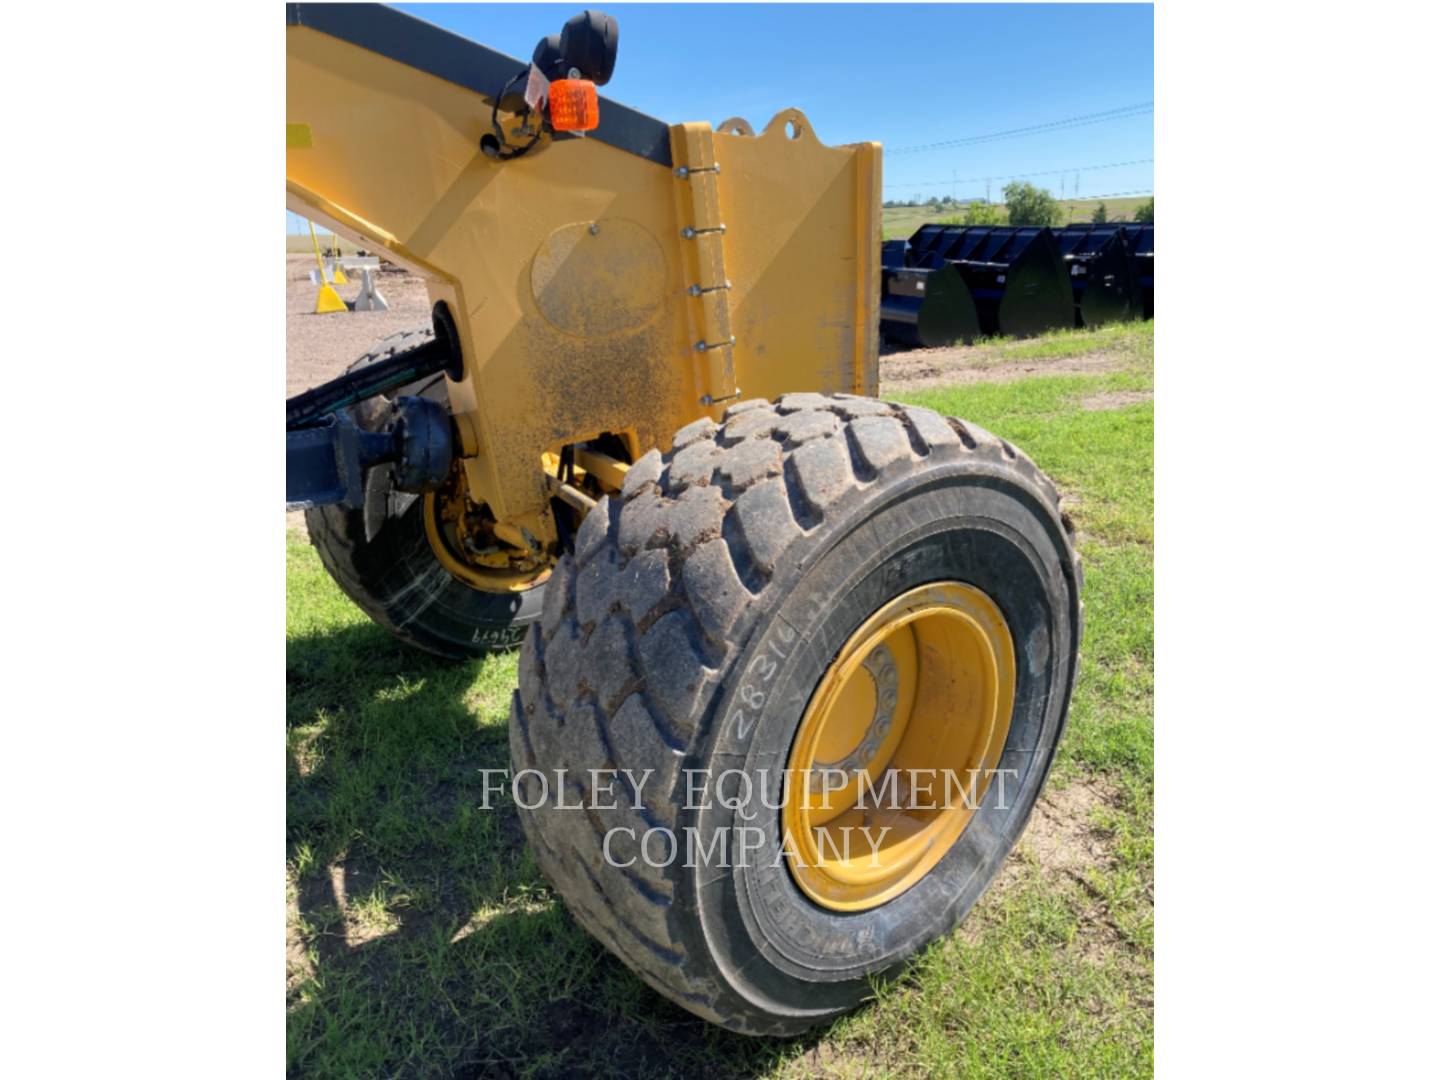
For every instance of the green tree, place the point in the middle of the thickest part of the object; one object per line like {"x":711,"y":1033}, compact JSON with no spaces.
{"x":1099,"y":217}
{"x":981,"y":213}
{"x":1029,"y":205}
{"x":1146,"y":211}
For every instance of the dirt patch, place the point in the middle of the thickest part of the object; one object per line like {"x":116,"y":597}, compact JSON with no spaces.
{"x":958,"y":366}
{"x":319,"y":347}
{"x":1062,"y":843}
{"x":1115,"y":399}
{"x":298,"y":967}
{"x":1061,"y":838}
{"x":835,"y":1061}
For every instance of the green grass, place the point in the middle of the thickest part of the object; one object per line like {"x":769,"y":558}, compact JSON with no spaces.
{"x":900,"y":222}
{"x":424,"y":942}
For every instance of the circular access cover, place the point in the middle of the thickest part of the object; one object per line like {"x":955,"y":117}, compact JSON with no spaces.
{"x":595,"y":278}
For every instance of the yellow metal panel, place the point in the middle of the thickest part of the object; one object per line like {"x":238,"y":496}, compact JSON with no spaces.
{"x":803,"y":257}
{"x":565,"y":270}
{"x":396,"y":163}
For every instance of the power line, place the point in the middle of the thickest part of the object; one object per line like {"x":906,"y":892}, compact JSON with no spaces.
{"x":1014,"y":176}
{"x":1121,"y":113}
{"x":1108,"y":195}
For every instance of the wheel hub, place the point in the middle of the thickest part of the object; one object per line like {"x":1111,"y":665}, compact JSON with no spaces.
{"x":462,"y":535}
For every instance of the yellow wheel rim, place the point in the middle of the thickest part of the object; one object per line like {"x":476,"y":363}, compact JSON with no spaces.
{"x":902,"y":735}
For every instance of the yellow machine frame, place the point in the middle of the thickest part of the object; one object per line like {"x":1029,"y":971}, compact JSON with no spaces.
{"x":595,"y":290}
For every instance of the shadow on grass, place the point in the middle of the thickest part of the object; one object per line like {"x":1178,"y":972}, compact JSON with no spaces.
{"x":424,"y":941}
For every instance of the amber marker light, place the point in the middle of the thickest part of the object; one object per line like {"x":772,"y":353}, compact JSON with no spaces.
{"x":574,"y":105}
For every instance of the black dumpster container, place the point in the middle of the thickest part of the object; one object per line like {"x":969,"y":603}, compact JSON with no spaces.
{"x":1101,"y":273}
{"x":1141,"y":238}
{"x":1015,"y":274}
{"x":926,"y":308}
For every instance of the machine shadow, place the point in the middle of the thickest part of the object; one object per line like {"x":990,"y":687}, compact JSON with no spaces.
{"x":422,"y":939}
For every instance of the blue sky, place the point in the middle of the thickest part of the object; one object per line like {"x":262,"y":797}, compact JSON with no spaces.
{"x":905,"y":74}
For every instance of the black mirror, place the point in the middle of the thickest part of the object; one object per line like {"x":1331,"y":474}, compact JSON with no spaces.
{"x":589,"y":43}
{"x":548,"y":58}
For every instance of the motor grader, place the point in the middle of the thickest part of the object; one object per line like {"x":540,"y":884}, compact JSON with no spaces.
{"x":640,"y":439}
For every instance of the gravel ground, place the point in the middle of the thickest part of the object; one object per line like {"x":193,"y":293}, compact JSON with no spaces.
{"x":319,"y":347}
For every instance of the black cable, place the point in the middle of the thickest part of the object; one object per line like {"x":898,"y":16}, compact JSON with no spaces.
{"x":1124,"y":112}
{"x":1020,"y":175}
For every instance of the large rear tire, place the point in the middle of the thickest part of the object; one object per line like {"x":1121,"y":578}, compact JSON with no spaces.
{"x":382,"y":557}
{"x":688,"y":634}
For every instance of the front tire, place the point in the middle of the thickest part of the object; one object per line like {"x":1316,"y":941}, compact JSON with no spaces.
{"x":689,"y":632}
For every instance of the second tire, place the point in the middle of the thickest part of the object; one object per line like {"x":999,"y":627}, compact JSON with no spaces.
{"x":821,"y":582}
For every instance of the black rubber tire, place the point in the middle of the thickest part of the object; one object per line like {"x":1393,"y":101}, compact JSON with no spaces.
{"x":776,"y":534}
{"x":381,"y":558}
